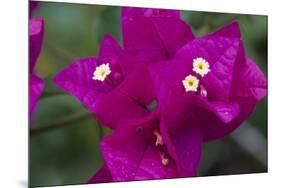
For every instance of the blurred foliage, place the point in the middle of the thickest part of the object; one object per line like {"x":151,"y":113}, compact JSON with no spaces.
{"x":71,"y":155}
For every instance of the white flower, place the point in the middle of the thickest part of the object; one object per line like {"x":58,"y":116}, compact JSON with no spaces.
{"x":101,"y":72}
{"x":201,"y":66}
{"x":190,"y":83}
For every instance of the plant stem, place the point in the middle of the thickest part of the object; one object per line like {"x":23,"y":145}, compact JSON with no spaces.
{"x":61,"y":53}
{"x":51,"y":93}
{"x":60,"y":123}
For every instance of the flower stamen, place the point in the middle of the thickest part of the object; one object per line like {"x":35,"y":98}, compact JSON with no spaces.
{"x":159,"y":140}
{"x":164,"y":160}
{"x":101,"y":72}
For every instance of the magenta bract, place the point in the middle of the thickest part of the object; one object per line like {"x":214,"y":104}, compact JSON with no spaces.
{"x":163,"y":35}
{"x":231,"y":89}
{"x":122,"y":95}
{"x":36,"y":84}
{"x":164,"y":94}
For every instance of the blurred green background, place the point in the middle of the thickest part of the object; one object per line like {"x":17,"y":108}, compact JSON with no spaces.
{"x":70,"y":153}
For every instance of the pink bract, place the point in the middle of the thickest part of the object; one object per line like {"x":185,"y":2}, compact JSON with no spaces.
{"x":159,"y":127}
{"x":36,"y":84}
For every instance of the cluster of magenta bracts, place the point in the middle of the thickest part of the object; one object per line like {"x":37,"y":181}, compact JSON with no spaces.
{"x":164,"y":93}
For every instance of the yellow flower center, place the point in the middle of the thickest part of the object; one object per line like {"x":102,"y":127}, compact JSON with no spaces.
{"x":190,"y":83}
{"x":101,"y":72}
{"x":201,"y":66}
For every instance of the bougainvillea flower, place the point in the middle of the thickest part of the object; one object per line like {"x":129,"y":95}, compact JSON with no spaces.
{"x":204,"y":88}
{"x":36,"y":84}
{"x":104,"y":86}
{"x":227,"y":92}
{"x":151,"y":35}
{"x":142,"y":149}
